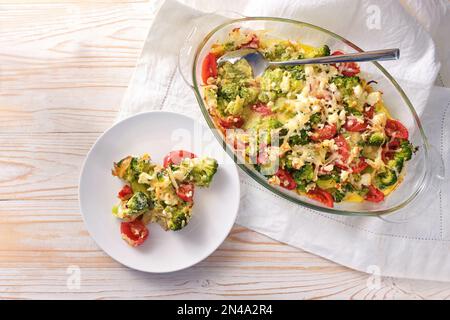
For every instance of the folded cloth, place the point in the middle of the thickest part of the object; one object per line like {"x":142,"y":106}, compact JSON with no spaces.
{"x":418,"y":248}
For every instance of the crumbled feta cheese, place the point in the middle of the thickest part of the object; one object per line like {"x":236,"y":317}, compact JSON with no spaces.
{"x":342,"y":115}
{"x":344,"y":175}
{"x":373,"y":98}
{"x":333,"y":88}
{"x":379,"y":120}
{"x":284,"y":85}
{"x":333,"y":118}
{"x":309,"y":70}
{"x":366,"y":179}
{"x":358,"y":90}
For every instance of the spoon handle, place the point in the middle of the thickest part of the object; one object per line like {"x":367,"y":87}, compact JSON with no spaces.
{"x":378,"y":55}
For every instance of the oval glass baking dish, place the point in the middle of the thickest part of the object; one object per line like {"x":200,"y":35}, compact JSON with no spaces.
{"x":421,"y":170}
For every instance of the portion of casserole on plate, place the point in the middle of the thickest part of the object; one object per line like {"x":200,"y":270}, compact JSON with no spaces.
{"x":318,"y":130}
{"x":162,"y":194}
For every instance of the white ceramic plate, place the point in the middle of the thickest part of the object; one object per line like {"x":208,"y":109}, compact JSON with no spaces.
{"x":214,"y":211}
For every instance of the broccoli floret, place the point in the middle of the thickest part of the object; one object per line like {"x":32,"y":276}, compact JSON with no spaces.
{"x":179,"y":217}
{"x":236,"y":106}
{"x":137,"y":204}
{"x":249,"y":94}
{"x":376,"y":139}
{"x":297,"y":72}
{"x":272,"y":123}
{"x":386,"y":179}
{"x":300,"y":139}
{"x":141,"y":164}
{"x":322,"y":51}
{"x":202,"y":170}
{"x":130,"y":168}
{"x":346,"y":84}
{"x":327,"y":182}
{"x":316,"y":118}
{"x":338,"y":195}
{"x":304,"y":175}
{"x":406,"y":151}
{"x":403,"y":154}
{"x":229,"y":91}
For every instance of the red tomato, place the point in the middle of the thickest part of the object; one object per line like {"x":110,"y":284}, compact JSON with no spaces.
{"x":344,"y":148}
{"x":348,"y":69}
{"x":134,"y":232}
{"x":231,"y":122}
{"x":368,"y":114}
{"x":389,"y":150}
{"x":360,"y":166}
{"x":322,"y":196}
{"x":262,"y":109}
{"x":252,"y":43}
{"x":125,"y":193}
{"x":175,"y":157}
{"x":354,"y":125}
{"x":286,"y":180}
{"x":209,"y":67}
{"x":374,"y":195}
{"x":396,"y":129}
{"x":327,"y":132}
{"x":186,"y":192}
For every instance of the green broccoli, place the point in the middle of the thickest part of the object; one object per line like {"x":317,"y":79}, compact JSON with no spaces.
{"x":228,"y":91}
{"x":403,"y":154}
{"x":178,"y":217}
{"x":386,"y":179}
{"x":304,"y":175}
{"x":376,"y":139}
{"x":297,"y":72}
{"x":299,"y":139}
{"x":316,"y":118}
{"x":323,"y":51}
{"x":137,"y":205}
{"x":202,"y":170}
{"x":346,"y":84}
{"x":327,"y":182}
{"x":338,"y":195}
{"x":130,"y":168}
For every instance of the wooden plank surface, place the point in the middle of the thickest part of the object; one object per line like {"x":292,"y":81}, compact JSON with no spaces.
{"x":64,"y":66}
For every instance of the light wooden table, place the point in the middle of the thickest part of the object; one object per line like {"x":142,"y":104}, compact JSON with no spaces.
{"x":63,"y":70}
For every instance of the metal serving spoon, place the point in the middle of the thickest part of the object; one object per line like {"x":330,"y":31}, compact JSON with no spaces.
{"x":259,"y":63}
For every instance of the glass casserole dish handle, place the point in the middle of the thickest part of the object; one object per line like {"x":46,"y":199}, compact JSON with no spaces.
{"x":424,"y":173}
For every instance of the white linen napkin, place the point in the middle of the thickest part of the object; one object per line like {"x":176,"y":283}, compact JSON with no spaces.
{"x":418,"y":248}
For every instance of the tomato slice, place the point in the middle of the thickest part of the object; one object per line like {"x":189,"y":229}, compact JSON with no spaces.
{"x":369,"y":113}
{"x":374,"y":195}
{"x":252,"y":43}
{"x":286,"y":180}
{"x":353,"y":125}
{"x":322,"y":196}
{"x":125,"y":193}
{"x":209,"y":67}
{"x":327,"y":132}
{"x":134,"y":232}
{"x":262,"y":108}
{"x":231,"y":122}
{"x":186,"y":192}
{"x":360,"y":166}
{"x":175,"y":157}
{"x":348,"y":69}
{"x":388,"y":151}
{"x":343,"y":148}
{"x":396,"y":129}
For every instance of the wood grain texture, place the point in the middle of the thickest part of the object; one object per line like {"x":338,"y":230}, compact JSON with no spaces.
{"x":64,"y":66}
